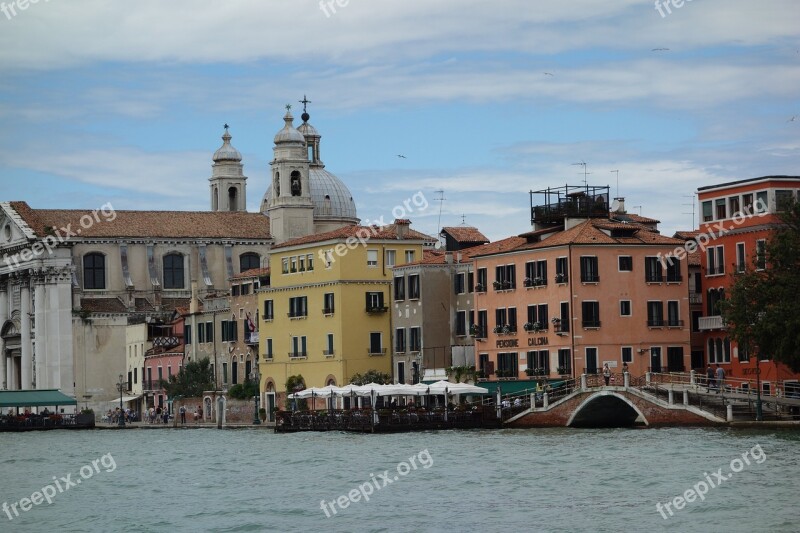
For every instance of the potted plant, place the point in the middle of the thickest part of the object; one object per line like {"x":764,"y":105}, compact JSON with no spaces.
{"x":497,"y":284}
{"x":480,"y":288}
{"x":527,"y":326}
{"x":527,"y":282}
{"x":473,"y":329}
{"x":562,"y":370}
{"x":506,"y":330}
{"x":560,"y":277}
{"x":506,"y":284}
{"x":530,"y":371}
{"x":262,"y":414}
{"x":538,"y":281}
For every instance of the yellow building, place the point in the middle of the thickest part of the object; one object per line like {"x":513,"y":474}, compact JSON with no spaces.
{"x":326,"y":314}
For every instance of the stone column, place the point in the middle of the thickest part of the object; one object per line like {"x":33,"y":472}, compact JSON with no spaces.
{"x":25,"y":335}
{"x":3,"y":318}
{"x":42,"y":381}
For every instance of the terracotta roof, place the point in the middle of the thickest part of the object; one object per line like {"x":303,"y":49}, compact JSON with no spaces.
{"x":439,"y":257}
{"x":498,"y":247}
{"x":143,"y":305}
{"x":252,"y":273}
{"x":693,"y":258}
{"x":387,"y":232}
{"x":167,"y":224}
{"x":171,"y":304}
{"x":467,"y":234}
{"x":633,"y":217}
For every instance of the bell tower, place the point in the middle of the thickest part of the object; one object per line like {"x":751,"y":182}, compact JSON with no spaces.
{"x":228,"y":183}
{"x":290,"y":209}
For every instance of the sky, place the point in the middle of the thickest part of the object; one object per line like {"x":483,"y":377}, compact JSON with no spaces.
{"x":124,"y":102}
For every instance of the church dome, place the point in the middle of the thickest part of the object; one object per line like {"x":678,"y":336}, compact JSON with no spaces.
{"x":227,"y":152}
{"x":307,"y":129}
{"x":330,"y":196}
{"x":289,"y":133}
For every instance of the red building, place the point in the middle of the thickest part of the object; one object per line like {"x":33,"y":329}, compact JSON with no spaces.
{"x":736,"y":221}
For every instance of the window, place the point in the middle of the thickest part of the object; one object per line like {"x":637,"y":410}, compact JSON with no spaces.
{"x":783,"y":200}
{"x":747,"y":204}
{"x":675,"y":359}
{"x":301,"y":262}
{"x":246,"y":288}
{"x":762,"y":202}
{"x":285,"y":265}
{"x":173,"y":271}
{"x":652,"y":270}
{"x":627,"y":354}
{"x":328,"y":351}
{"x":234,"y":290}
{"x":187,"y":334}
{"x":589,"y":269}
{"x":673,"y":314}
{"x":483,"y":324}
{"x":733,"y":206}
{"x":726,"y":346}
{"x":564,"y":361}
{"x":400,"y":340}
{"x":229,"y":331}
{"x":536,"y":273}
{"x":539,"y":361}
{"x":591,"y":360}
{"x":744,"y":354}
{"x":707,"y":211}
{"x":458,"y":282}
{"x":249,"y":261}
{"x":372,"y":258}
{"x":414,"y":339}
{"x":507,"y":365}
{"x":269,"y":353}
{"x":591,"y":314}
{"x":564,"y":322}
{"x":293,"y":264}
{"x":674,"y":270}
{"x":310,"y":262}
{"x":720,"y":208}
{"x":741,"y":264}
{"x":500,"y":318}
{"x":655,"y":314}
{"x":761,"y":254}
{"x":482,"y":280}
{"x":298,"y":347}
{"x":624,"y":308}
{"x":391,"y":258}
{"x":399,"y":288}
{"x":696,"y":321}
{"x":268,"y":310}
{"x":409,"y":256}
{"x":298,"y":307}
{"x":542,"y":316}
{"x":413,"y":287}
{"x":201,"y":333}
{"x":375,"y":302}
{"x":327,"y":305}
{"x":470,"y":281}
{"x":512,"y":319}
{"x":225,"y":372}
{"x":715,"y":256}
{"x":505,"y":277}
{"x":461,"y":323}
{"x":328,"y":258}
{"x":562,"y":270}
{"x":94,"y":271}
{"x":625,"y":263}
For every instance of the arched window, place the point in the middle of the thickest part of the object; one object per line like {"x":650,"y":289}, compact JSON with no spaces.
{"x":249,"y":261}
{"x":173,"y":272}
{"x":727,"y":344}
{"x":277,"y":185}
{"x":214,"y":199}
{"x":233,"y":198}
{"x":719,"y":351}
{"x":296,"y":187}
{"x":94,"y":271}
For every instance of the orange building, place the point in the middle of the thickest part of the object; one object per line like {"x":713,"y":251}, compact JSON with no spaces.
{"x":585,"y":288}
{"x":737,"y":219}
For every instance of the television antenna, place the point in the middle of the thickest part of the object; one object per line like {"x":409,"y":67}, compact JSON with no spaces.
{"x":693,"y":204}
{"x":441,"y":200}
{"x":583,"y":164}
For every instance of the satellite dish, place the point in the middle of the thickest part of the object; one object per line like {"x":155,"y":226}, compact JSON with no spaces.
{"x":438,"y":245}
{"x":615,"y":206}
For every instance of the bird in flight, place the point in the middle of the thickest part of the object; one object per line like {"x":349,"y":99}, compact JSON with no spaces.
{"x":792,"y":119}
{"x":547,"y":74}
{"x":659,"y":49}
{"x":401,"y":156}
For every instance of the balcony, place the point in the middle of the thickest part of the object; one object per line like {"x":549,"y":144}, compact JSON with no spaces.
{"x":151,"y":385}
{"x":655,"y":322}
{"x":376,"y":351}
{"x":374,"y":310}
{"x":708,"y":323}
{"x":166,"y":342}
{"x":591,"y":323}
{"x":296,"y":316}
{"x":298,"y":355}
{"x":590,"y":278}
{"x":251,"y":338}
{"x":569,"y":201}
{"x":695,"y":298}
{"x":327,"y":311}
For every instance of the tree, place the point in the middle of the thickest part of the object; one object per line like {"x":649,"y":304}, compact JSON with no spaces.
{"x":762,"y":312}
{"x":191,"y":381}
{"x":295,"y":384}
{"x":371,"y":376}
{"x":244,"y":391}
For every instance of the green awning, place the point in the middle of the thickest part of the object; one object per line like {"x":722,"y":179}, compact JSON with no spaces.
{"x":34,"y":398}
{"x":513,"y":387}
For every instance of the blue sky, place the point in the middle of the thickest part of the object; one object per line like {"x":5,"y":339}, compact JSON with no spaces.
{"x":118,"y":102}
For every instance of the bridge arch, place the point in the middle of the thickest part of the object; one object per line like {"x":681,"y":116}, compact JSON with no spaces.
{"x":605,"y":409}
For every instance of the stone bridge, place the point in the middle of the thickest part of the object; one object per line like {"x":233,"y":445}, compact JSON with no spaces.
{"x":613,"y":406}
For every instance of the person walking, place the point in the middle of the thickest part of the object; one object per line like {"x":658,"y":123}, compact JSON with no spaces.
{"x":606,"y":373}
{"x":720,"y":378}
{"x":183,"y":414}
{"x":709,"y":379}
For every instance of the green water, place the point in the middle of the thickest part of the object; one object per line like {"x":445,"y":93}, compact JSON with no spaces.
{"x":509,"y":480}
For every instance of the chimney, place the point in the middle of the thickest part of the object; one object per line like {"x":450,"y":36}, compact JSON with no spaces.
{"x":401,"y":225}
{"x":620,"y":204}
{"x":448,"y":258}
{"x":459,"y":257}
{"x":194,"y":304}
